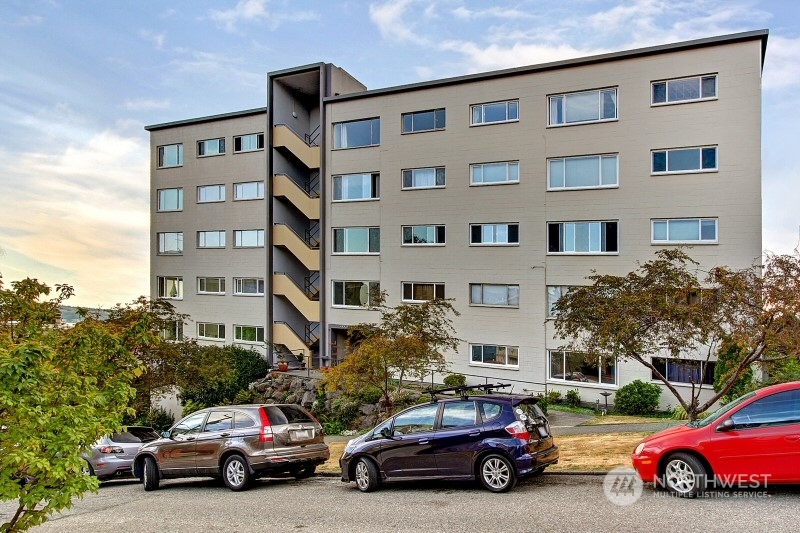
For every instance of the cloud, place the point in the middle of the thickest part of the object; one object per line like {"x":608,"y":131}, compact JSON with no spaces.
{"x":156,"y":38}
{"x":495,"y":56}
{"x":220,"y":68}
{"x":782,"y":64}
{"x":390,"y":19}
{"x":256,"y":11}
{"x":492,"y":12}
{"x":145,"y":104}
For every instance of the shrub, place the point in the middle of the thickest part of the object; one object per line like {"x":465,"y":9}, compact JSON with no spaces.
{"x":573,"y":398}
{"x":455,"y":380}
{"x":190,"y":406}
{"x":553,"y":397}
{"x":159,"y":419}
{"x":679,"y":413}
{"x":542,"y":402}
{"x":637,"y":398}
{"x":334,"y":427}
{"x":344,"y":410}
{"x":370,"y":395}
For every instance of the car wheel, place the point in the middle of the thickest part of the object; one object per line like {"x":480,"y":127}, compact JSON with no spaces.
{"x":87,"y":469}
{"x":236,"y":473}
{"x":306,"y":472}
{"x":684,"y":475}
{"x":150,"y":474}
{"x":367,"y":477}
{"x":497,"y":473}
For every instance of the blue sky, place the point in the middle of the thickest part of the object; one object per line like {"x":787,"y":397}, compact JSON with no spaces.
{"x":80,"y":79}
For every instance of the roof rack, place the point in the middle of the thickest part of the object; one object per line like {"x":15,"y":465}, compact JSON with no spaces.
{"x":464,"y":389}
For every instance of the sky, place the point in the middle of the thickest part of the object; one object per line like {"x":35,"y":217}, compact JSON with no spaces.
{"x":79,"y":80}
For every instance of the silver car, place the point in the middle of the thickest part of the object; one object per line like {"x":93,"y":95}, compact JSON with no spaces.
{"x":112,"y":456}
{"x":237,"y":443}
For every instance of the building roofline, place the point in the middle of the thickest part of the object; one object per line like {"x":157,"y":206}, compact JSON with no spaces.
{"x":296,"y":70}
{"x":761,"y":35}
{"x":210,"y":118}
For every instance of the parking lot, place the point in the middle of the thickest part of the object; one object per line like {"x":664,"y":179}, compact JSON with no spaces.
{"x":547,"y":503}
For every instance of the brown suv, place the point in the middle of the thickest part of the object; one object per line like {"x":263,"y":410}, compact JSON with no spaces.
{"x":238,"y":443}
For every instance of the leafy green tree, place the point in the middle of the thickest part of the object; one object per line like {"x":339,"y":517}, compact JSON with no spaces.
{"x":60,"y":390}
{"x":217,"y":375}
{"x":729,"y":358}
{"x":669,"y":307}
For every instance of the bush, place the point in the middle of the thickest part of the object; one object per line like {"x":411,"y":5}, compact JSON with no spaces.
{"x":542,"y":402}
{"x":637,"y":398}
{"x":370,"y":395}
{"x":334,"y":427}
{"x":455,"y":380}
{"x":553,"y":397}
{"x":190,"y":406}
{"x":573,"y":398}
{"x":728,"y":361}
{"x":159,"y":419}
{"x":679,"y":413}
{"x":344,"y":410}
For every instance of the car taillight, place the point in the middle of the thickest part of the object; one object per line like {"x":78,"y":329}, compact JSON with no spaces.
{"x":266,"y":428}
{"x":111,"y":449}
{"x":517,"y":429}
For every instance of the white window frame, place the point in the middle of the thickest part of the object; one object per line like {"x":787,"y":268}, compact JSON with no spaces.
{"x":173,"y":333}
{"x":259,"y":142}
{"x":575,"y":235}
{"x":668,"y":151}
{"x":428,"y":227}
{"x":699,"y":220}
{"x":504,"y":347}
{"x":164,"y":283}
{"x":202,"y":285}
{"x":477,"y":112}
{"x":162,"y":199}
{"x":494,"y":226}
{"x":203,"y":327}
{"x":412,"y":174}
{"x":564,"y":98}
{"x":510,"y":290}
{"x":162,"y":243}
{"x":238,"y":329}
{"x":373,"y":288}
{"x":436,"y":288}
{"x":238,"y":285}
{"x":238,"y":189}
{"x":340,"y":127}
{"x":374,"y":185}
{"x":563,"y":355}
{"x":205,"y":190}
{"x":239,"y":234}
{"x":666,"y":83}
{"x":218,"y":145}
{"x":554,"y":294}
{"x":346,"y":231}
{"x":512,"y":167}
{"x":439,"y":112}
{"x":202,"y":237}
{"x":601,"y":158}
{"x":163,"y":155}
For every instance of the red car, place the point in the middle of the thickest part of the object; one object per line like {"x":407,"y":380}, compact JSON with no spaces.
{"x":751,"y":442}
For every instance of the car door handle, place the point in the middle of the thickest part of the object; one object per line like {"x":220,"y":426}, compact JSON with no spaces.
{"x":474,"y":433}
{"x":189,"y":438}
{"x":225,"y":435}
{"x":423,"y":441}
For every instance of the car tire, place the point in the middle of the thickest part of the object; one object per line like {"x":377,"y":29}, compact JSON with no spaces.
{"x":497,"y":473}
{"x":236,"y":473}
{"x":306,"y":472}
{"x":87,"y":469}
{"x":150,"y":477}
{"x":684,"y":475}
{"x":366,"y":475}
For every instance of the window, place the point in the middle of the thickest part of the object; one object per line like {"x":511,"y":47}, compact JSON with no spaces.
{"x":684,"y":370}
{"x":573,"y":366}
{"x":423,"y":178}
{"x":211,"y":285}
{"x":210,"y":193}
{"x":578,"y":108}
{"x":219,"y":421}
{"x":251,"y":190}
{"x":170,"y":243}
{"x":422,"y":292}
{"x":685,"y":90}
{"x":423,"y":235}
{"x":351,"y":187}
{"x":248,"y":143}
{"x":492,"y":173}
{"x":495,"y":112}
{"x":248,"y":286}
{"x":248,"y":333}
{"x":492,"y":354}
{"x":681,"y":160}
{"x":685,"y":230}
{"x":582,"y":237}
{"x":211,"y":239}
{"x":423,"y":121}
{"x":170,"y":200}
{"x":416,"y":420}
{"x":494,"y":295}
{"x":170,"y":155}
{"x":210,"y":147}
{"x":585,"y":172}
{"x":170,"y":287}
{"x":774,"y":410}
{"x":459,"y":414}
{"x":206,"y":330}
{"x":356,"y":240}
{"x":173,"y":331}
{"x":501,"y":234}
{"x":248,"y":238}
{"x":554,"y":293}
{"x":189,"y":426}
{"x":357,"y":133}
{"x":356,"y":293}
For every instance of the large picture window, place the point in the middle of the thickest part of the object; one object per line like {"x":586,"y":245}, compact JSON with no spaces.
{"x":249,"y":238}
{"x":494,"y":295}
{"x":211,"y":239}
{"x":170,"y":199}
{"x":356,"y":240}
{"x":493,"y":354}
{"x":585,"y":172}
{"x":423,"y":121}
{"x":684,"y":370}
{"x":170,"y":243}
{"x":494,"y":173}
{"x":360,"y":294}
{"x":583,"y":107}
{"x":684,"y":230}
{"x":249,"y":190}
{"x":350,"y":187}
{"x":170,"y":155}
{"x":211,"y":147}
{"x":170,"y":287}
{"x":357,"y":133}
{"x":248,"y":143}
{"x":684,"y":160}
{"x":582,"y":237}
{"x":414,"y":291}
{"x":494,"y":234}
{"x":248,"y":286}
{"x":424,"y":178}
{"x":210,"y":193}
{"x":423,"y":235}
{"x":495,"y":112}
{"x":210,"y":331}
{"x":210,"y":285}
{"x":248,"y":333}
{"x":682,"y":90}
{"x":578,"y":367}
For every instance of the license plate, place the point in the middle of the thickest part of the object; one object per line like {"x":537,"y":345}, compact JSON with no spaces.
{"x":302,"y":434}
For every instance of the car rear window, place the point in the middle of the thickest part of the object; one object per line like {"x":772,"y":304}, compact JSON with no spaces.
{"x":490,"y":410}
{"x":135,"y":435}
{"x":287,"y":414}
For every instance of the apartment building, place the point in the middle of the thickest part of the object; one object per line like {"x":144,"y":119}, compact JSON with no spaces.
{"x":499,"y":190}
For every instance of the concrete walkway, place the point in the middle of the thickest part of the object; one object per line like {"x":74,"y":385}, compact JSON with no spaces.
{"x":564,"y":423}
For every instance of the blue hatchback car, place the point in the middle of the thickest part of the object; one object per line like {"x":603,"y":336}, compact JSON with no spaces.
{"x":493,"y":438}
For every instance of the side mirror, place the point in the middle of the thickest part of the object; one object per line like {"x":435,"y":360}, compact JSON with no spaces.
{"x":726,"y":425}
{"x":386,"y":433}
{"x":166,"y":435}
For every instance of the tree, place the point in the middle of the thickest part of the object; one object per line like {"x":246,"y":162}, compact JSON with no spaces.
{"x":406,"y":342}
{"x":669,"y":307}
{"x":60,"y":391}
